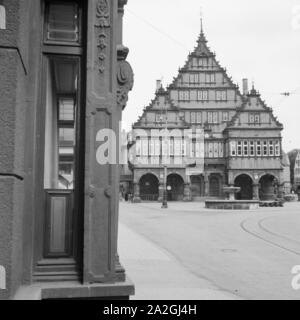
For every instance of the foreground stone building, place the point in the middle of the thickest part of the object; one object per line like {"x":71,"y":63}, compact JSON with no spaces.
{"x":64,"y":77}
{"x":235,"y":139}
{"x":295,"y":169}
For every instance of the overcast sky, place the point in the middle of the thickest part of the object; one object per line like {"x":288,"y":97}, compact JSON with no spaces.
{"x":254,"y":39}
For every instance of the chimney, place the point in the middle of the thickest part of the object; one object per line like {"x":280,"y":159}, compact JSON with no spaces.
{"x":158,"y":85}
{"x":245,"y":87}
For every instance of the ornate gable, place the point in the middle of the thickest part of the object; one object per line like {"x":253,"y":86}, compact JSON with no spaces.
{"x":254,"y":113}
{"x":157,"y":109}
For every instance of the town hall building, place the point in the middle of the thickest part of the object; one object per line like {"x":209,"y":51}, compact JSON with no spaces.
{"x":234,"y":138}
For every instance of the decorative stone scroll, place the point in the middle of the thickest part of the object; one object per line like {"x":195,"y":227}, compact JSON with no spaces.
{"x":125,"y":80}
{"x":103,"y":22}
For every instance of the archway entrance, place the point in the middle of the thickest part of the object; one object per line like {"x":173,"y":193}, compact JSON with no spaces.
{"x":149,"y":187}
{"x":176,"y":185}
{"x":197,"y":186}
{"x":214,"y":186}
{"x":268,"y":187}
{"x":246,"y":184}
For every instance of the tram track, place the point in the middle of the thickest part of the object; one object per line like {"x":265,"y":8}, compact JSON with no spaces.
{"x":264,"y":234}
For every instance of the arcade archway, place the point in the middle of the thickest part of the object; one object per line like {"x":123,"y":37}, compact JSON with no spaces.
{"x":268,"y":187}
{"x":175,"y":185}
{"x":246,"y":184}
{"x":149,"y":187}
{"x":214,"y":186}
{"x":197,"y":186}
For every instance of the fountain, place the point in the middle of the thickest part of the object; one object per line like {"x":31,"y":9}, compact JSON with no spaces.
{"x":231,"y":203}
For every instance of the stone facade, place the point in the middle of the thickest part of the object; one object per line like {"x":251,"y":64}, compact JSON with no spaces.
{"x":297,"y":172}
{"x":234,"y":137}
{"x":49,"y":233}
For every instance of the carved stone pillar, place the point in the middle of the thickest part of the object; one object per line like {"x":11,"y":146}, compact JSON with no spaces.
{"x":160,"y":191}
{"x":256,"y":191}
{"x":206,"y":185}
{"x":187,"y":192}
{"x":136,"y":192}
{"x":280,"y":191}
{"x":109,"y":79}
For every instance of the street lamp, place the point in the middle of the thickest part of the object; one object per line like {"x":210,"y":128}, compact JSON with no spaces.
{"x":165,"y":193}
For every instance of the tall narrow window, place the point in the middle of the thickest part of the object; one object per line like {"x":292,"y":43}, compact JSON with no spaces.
{"x":138,"y":148}
{"x":62,"y":21}
{"x":233,"y":148}
{"x":2,"y":17}
{"x":257,"y":118}
{"x":225,"y":116}
{"x":199,"y":117}
{"x":271,"y":148}
{"x":193,"y":117}
{"x":246,"y":148}
{"x":265,"y":148}
{"x":215,"y":117}
{"x":277,"y":149}
{"x":258,"y":148}
{"x":60,"y":126}
{"x":240,"y":148}
{"x":252,"y":149}
{"x":60,"y":151}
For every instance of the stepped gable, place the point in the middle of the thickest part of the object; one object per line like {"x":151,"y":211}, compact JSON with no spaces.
{"x":204,"y":51}
{"x":162,"y":103}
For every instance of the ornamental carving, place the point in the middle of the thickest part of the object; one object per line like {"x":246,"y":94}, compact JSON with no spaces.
{"x":125,"y":80}
{"x":103,"y":22}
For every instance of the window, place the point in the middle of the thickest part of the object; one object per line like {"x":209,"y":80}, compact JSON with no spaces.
{"x":210,"y":117}
{"x":252,"y":149}
{"x":194,"y":78}
{"x":202,"y":62}
{"x":258,"y":148}
{"x":152,"y":147}
{"x":210,"y":78}
{"x":265,"y":148}
{"x":192,"y":149}
{"x":157,"y":147}
{"x":216,"y":150}
{"x":246,"y":148}
{"x":138,"y":147}
{"x":202,"y":95}
{"x":257,"y":118}
{"x":158,"y":118}
{"x":277,"y":149}
{"x":239,"y":148}
{"x":271,"y":148}
{"x":171,"y":146}
{"x":177,"y":146}
{"x":193,"y":117}
{"x":184,"y":147}
{"x":251,"y":118}
{"x":221,"y":95}
{"x":60,"y":124}
{"x":221,"y":150}
{"x":233,"y":148}
{"x":215,"y":117}
{"x":2,"y":17}
{"x":225,"y":116}
{"x":199,"y":117}
{"x":210,"y":150}
{"x":188,"y":117}
{"x":184,"y":95}
{"x":62,"y":21}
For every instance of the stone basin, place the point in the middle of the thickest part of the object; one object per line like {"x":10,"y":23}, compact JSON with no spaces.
{"x":231,"y":203}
